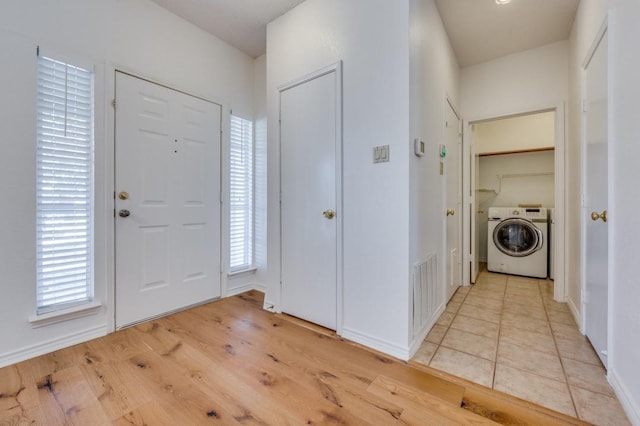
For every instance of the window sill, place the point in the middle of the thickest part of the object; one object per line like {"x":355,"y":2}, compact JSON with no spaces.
{"x":65,"y":314}
{"x":247,"y":271}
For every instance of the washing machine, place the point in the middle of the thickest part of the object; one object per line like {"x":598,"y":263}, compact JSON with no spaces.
{"x":517,"y":241}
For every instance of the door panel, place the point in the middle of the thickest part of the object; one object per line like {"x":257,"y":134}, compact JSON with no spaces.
{"x":474,"y":161}
{"x":168,"y":161}
{"x":308,"y":188}
{"x":596,"y":199}
{"x":453,"y":202}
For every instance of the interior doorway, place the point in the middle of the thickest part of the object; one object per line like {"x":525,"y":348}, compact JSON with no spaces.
{"x":514,"y":160}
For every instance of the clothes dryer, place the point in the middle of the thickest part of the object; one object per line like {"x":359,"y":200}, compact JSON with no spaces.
{"x":517,"y":241}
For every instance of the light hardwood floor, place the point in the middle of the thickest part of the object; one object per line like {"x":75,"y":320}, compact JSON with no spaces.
{"x":230,"y":362}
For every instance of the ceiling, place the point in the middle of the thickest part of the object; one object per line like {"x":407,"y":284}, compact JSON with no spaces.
{"x":479,"y":29}
{"x":241,"y":23}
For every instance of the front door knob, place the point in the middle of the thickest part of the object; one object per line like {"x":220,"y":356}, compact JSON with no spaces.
{"x":450,"y":212}
{"x":124,"y":195}
{"x":124,"y":213}
{"x":329,"y":214}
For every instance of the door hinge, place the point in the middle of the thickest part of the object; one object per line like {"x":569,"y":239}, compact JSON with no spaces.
{"x":113,"y":103}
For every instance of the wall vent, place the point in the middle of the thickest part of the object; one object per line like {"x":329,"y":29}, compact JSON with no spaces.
{"x":425,"y":282}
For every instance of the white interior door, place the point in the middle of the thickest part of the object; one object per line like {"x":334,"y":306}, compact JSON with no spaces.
{"x":596,"y":260}
{"x":474,"y":162}
{"x":310,"y":216}
{"x":167,"y":183}
{"x":453,"y":172}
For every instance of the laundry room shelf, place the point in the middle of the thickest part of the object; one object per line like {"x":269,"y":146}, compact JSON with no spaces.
{"x":486,"y":190}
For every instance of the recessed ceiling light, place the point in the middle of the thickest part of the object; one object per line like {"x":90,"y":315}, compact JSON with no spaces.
{"x":502,"y":2}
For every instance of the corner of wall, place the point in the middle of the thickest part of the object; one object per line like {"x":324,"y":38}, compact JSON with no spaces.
{"x":631,"y":409}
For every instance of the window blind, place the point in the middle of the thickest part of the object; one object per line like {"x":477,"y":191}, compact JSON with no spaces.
{"x":241,"y":177}
{"x":64,"y":192}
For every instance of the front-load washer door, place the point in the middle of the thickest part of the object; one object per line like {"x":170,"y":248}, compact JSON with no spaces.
{"x":517,"y":237}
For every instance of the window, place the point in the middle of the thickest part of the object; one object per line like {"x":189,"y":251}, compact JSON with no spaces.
{"x":64,"y":192}
{"x":241,"y":177}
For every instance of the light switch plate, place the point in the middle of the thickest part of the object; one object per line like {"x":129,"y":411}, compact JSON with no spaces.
{"x":381,"y":154}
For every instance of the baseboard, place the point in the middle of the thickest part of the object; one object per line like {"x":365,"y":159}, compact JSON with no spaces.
{"x":52,"y":345}
{"x":233,"y":291}
{"x":576,"y":314}
{"x":376,"y":343}
{"x":631,"y":408}
{"x":260,"y":287}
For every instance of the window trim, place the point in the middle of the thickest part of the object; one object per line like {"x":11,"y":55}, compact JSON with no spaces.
{"x":61,"y":311}
{"x":250,"y":265}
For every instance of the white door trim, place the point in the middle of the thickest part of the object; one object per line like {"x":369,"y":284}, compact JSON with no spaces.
{"x":560,"y":179}
{"x":333,"y":68}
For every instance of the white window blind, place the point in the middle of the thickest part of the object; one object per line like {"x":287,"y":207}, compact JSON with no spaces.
{"x":64,"y":193}
{"x":241,"y":195}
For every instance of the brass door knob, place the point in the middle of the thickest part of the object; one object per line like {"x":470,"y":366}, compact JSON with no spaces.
{"x":450,"y":212}
{"x":124,"y":195}
{"x":595,"y":216}
{"x":329,"y":214}
{"x":124,"y":213}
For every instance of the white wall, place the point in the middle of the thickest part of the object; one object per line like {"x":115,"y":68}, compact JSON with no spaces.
{"x":434,"y":76}
{"x":371,"y":38}
{"x":624,"y":234}
{"x":537,"y":189}
{"x":135,"y":35}
{"x":260,"y":117}
{"x":520,"y":133}
{"x":524,"y":81}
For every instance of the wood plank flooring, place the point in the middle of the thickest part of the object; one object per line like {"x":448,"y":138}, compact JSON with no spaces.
{"x":230,"y":362}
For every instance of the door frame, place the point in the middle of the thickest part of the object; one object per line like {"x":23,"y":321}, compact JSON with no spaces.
{"x":337,"y":69}
{"x":560,"y":179}
{"x":109,"y":182}
{"x":605,"y":28}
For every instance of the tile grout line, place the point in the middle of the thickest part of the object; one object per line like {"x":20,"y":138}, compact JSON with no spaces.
{"x":555,"y":344}
{"x":495,"y":362}
{"x":452,"y":320}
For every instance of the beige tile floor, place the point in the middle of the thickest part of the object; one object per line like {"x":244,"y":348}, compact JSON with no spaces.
{"x":507,"y":333}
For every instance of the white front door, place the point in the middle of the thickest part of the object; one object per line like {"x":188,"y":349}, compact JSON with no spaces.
{"x":167,"y":183}
{"x":453,"y":214}
{"x":310,"y":217}
{"x":596,"y":260}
